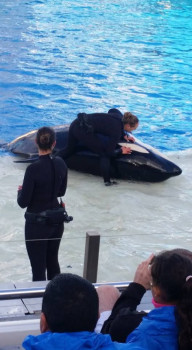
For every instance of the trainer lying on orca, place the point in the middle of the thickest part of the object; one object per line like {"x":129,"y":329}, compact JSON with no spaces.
{"x":100,"y":133}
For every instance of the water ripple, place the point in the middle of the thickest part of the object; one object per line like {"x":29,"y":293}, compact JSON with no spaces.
{"x":59,"y":57}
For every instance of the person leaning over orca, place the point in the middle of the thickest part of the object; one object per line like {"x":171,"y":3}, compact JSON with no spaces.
{"x":70,"y":310}
{"x":87,"y":128}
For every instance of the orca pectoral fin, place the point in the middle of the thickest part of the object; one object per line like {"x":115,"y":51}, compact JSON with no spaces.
{"x":134,"y":147}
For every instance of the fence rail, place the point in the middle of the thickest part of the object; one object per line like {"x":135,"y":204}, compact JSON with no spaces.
{"x":91,"y":259}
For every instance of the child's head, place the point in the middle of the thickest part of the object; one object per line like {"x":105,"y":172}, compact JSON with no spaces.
{"x":169,"y":271}
{"x":130,"y":121}
{"x":70,"y":304}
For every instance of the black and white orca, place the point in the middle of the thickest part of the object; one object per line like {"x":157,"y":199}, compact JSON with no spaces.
{"x":143,"y":164}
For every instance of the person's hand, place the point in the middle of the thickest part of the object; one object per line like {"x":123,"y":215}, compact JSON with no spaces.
{"x":126,"y":150}
{"x":20,"y":188}
{"x":143,"y":273}
{"x":129,"y":138}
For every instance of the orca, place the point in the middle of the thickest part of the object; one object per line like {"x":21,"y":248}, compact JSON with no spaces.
{"x":143,"y":164}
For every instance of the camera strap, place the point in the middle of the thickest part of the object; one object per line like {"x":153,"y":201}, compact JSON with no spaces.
{"x":53,"y":181}
{"x":61,"y":204}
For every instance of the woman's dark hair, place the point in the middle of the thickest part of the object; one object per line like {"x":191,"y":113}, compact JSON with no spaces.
{"x":129,"y":118}
{"x":45,"y":138}
{"x":169,"y":271}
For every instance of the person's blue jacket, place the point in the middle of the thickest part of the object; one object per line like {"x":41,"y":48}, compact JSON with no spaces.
{"x":73,"y":341}
{"x":157,"y":331}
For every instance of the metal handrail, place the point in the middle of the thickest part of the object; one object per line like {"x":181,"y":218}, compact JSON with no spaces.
{"x":37,"y":292}
{"x":21,"y":293}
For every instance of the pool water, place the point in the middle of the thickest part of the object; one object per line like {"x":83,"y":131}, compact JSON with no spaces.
{"x":59,"y":58}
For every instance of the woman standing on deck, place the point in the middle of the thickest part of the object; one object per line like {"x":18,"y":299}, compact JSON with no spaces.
{"x":44,"y":181}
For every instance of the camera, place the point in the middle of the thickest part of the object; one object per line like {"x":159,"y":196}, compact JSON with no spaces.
{"x":67,"y":218}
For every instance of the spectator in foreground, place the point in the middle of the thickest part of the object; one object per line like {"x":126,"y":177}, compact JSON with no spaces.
{"x":124,"y":318}
{"x":169,"y":325}
{"x":69,"y":315}
{"x":108,"y":295}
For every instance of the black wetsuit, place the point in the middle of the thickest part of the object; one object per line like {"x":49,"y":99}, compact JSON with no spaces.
{"x":86,"y":129}
{"x":44,"y":181}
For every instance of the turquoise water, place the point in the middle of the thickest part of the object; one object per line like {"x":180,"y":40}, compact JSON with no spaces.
{"x":58,"y":58}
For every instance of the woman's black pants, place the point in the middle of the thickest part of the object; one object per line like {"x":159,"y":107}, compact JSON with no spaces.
{"x":42,"y":243}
